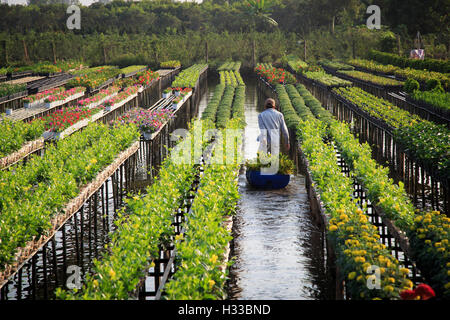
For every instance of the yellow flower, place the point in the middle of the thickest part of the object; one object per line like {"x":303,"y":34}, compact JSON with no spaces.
{"x":437,"y":244}
{"x":213,"y":259}
{"x":360,"y":259}
{"x":333,"y":228}
{"x":360,"y":278}
{"x":94,"y":161}
{"x":447,"y":285}
{"x":359,"y":211}
{"x":391,"y":280}
{"x":179,"y":237}
{"x":404,"y":270}
{"x":388,"y":288}
{"x":112,"y":274}
{"x":428,"y":241}
{"x":350,"y":229}
{"x":352,"y":275}
{"x":95,"y":283}
{"x":440,"y":249}
{"x":211,"y":283}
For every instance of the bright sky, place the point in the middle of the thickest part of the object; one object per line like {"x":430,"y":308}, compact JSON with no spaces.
{"x":83,"y":2}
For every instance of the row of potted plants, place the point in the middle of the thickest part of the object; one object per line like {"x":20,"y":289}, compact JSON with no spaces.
{"x":230,"y":66}
{"x":98,"y":98}
{"x":39,"y":98}
{"x":368,"y":77}
{"x":189,"y":77}
{"x":170,"y":64}
{"x":211,"y":109}
{"x":427,"y":232}
{"x":435,"y":98}
{"x":238,"y":108}
{"x":354,"y":238}
{"x":60,"y":120}
{"x":147,"y":121}
{"x":274,"y":75}
{"x":9,"y":91}
{"x":124,"y":95}
{"x":335,"y":65}
{"x":145,"y":78}
{"x":231,"y":78}
{"x":381,"y":190}
{"x":16,"y":133}
{"x":34,"y":193}
{"x":62,"y":97}
{"x":131,"y":70}
{"x":223,"y":113}
{"x":142,"y":228}
{"x":442,"y":66}
{"x":296,"y":64}
{"x":327,"y":79}
{"x":206,"y":237}
{"x":427,"y":142}
{"x":93,"y":77}
{"x":402,"y":73}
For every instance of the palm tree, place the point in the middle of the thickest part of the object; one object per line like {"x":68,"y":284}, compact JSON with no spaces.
{"x":260,"y":9}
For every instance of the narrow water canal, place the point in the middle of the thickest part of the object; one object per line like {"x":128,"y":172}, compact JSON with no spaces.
{"x":277,"y":247}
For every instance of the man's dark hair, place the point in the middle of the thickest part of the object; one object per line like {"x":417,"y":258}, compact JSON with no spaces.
{"x":270,"y":103}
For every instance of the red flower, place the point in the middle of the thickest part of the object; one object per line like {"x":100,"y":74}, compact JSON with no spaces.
{"x":422,"y":291}
{"x":407,"y":295}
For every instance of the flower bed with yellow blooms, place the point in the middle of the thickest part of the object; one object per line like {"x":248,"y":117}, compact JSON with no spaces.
{"x":429,"y":237}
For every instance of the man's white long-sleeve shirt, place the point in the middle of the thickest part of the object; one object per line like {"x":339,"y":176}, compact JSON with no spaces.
{"x":271,"y":123}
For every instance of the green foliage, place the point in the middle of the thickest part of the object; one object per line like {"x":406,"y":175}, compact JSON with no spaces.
{"x":211,"y":109}
{"x":170,"y":64}
{"x":201,"y":250}
{"x":430,"y":239}
{"x":327,"y":79}
{"x":336,"y":65}
{"x":188,"y":77}
{"x":35,"y":193}
{"x":133,"y":68}
{"x":286,"y":165}
{"x":368,"y":77}
{"x":411,"y":85}
{"x":437,"y":99}
{"x":441,"y":66}
{"x":434,"y":85}
{"x":16,"y":133}
{"x":424,"y":141}
{"x":230,"y":66}
{"x":7,"y":89}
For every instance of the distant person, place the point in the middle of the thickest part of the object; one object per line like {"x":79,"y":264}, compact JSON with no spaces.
{"x":271,"y":123}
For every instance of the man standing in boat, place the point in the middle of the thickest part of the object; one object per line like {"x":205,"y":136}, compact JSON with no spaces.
{"x":271,"y":123}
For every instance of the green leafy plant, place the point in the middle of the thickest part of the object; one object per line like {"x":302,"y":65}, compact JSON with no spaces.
{"x":286,"y":165}
{"x":34,"y":193}
{"x":411,"y":85}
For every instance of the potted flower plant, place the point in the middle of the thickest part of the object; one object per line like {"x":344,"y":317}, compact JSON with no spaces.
{"x":176,"y":102}
{"x":166,"y":93}
{"x":259,"y":179}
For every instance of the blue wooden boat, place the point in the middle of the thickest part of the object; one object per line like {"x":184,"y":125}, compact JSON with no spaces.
{"x":274,"y":181}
